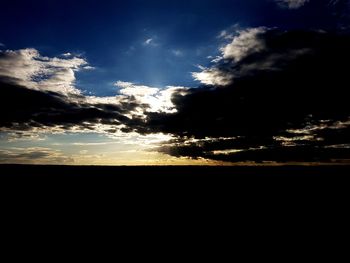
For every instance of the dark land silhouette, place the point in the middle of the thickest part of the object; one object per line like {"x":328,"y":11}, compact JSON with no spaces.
{"x":205,"y":179}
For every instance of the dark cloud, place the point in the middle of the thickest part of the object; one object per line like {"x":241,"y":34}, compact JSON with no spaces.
{"x":288,"y":102}
{"x":39,"y":92}
{"x":341,"y":11}
{"x":30,"y":155}
{"x":24,"y":109}
{"x":303,"y":151}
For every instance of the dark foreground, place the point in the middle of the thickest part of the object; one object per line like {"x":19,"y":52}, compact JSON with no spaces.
{"x":154,"y":184}
{"x":164,"y":172}
{"x":177,"y":178}
{"x":178,"y":193}
{"x":47,"y":172}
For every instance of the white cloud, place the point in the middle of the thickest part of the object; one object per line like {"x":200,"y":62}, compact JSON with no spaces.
{"x":88,"y":67}
{"x":28,"y":68}
{"x":291,"y":4}
{"x":101,"y":100}
{"x":130,"y":89}
{"x":213,"y":76}
{"x":245,"y":43}
{"x":158,"y":99}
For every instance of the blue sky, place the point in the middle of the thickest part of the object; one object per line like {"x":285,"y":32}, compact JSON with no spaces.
{"x":112,"y":35}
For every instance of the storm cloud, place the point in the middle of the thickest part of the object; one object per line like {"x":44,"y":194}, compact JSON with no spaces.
{"x":24,"y":109}
{"x":287,"y":100}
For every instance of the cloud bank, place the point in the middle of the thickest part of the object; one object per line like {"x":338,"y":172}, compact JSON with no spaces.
{"x":272,"y":96}
{"x":39,"y":94}
{"x":285,"y":100}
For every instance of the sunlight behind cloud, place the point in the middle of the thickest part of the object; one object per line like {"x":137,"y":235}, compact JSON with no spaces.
{"x":159,"y":100}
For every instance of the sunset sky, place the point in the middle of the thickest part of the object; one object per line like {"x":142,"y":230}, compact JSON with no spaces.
{"x":146,"y":82}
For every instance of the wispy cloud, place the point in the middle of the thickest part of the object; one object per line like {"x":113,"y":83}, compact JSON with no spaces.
{"x":67,"y":54}
{"x":148,"y":41}
{"x":291,"y":4}
{"x":229,"y":33}
{"x":177,"y":52}
{"x":151,"y":42}
{"x":33,"y":155}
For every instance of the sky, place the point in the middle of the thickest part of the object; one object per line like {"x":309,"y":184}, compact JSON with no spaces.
{"x":195,"y":82}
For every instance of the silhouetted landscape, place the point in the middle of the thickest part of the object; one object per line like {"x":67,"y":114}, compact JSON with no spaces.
{"x":227,"y":178}
{"x":140,"y":195}
{"x":145,"y":183}
{"x":200,"y":172}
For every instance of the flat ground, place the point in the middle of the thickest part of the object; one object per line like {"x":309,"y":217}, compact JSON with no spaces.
{"x":154,"y":189}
